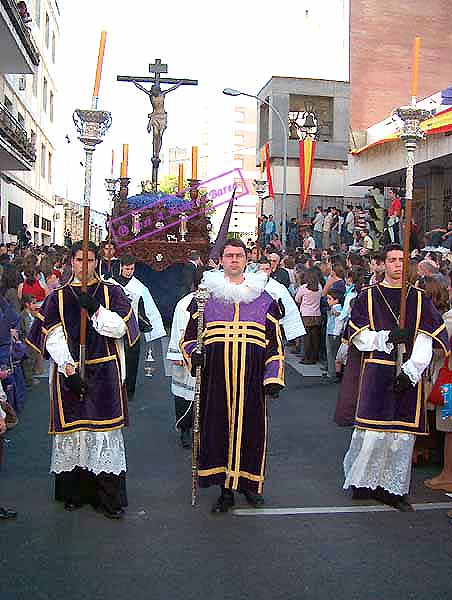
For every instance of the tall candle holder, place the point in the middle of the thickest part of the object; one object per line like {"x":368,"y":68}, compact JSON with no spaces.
{"x":183,"y":228}
{"x":123,"y":191}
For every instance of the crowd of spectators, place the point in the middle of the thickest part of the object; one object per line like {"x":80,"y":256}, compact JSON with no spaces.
{"x":27,"y":274}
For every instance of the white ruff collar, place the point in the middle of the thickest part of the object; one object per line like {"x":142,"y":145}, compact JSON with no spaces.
{"x":231,"y":293}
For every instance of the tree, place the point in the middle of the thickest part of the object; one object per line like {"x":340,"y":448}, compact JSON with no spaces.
{"x":168,"y":184}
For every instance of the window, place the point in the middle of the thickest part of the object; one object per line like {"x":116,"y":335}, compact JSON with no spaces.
{"x":47,"y":30}
{"x":21,"y":119}
{"x":44,"y":94}
{"x":53,"y":47}
{"x":43,"y":160}
{"x":49,"y":167}
{"x":8,"y":104}
{"x":51,"y":106}
{"x":15,"y":218}
{"x":46,"y":224}
{"x":38,"y":12}
{"x":35,"y":83}
{"x":36,"y":221}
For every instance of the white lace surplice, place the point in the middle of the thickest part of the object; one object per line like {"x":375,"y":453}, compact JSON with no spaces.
{"x":97,"y":451}
{"x":379,"y":458}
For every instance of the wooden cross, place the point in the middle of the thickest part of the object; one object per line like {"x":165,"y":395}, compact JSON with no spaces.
{"x":157,"y":69}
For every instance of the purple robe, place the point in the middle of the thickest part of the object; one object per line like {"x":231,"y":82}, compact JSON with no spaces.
{"x":105,"y":406}
{"x":378,"y":407}
{"x":348,"y":390}
{"x":244,"y":352}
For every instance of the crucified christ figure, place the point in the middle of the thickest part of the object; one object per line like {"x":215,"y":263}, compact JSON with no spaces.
{"x":158,"y":117}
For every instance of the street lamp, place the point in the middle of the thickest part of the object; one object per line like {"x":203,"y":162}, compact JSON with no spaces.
{"x":233,"y":92}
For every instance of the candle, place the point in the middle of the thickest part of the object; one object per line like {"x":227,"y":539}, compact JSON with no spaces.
{"x":415,"y":74}
{"x":180,"y":179}
{"x":194,"y":162}
{"x":125,"y":160}
{"x":112,"y":162}
{"x":100,"y":60}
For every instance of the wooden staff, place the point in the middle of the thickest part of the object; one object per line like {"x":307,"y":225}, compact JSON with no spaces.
{"x":406,"y":260}
{"x":84,"y":312}
{"x":410,"y":136}
{"x":202,"y":295}
{"x":86,"y":212}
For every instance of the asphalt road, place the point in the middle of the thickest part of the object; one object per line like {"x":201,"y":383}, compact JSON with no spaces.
{"x":166,"y":550}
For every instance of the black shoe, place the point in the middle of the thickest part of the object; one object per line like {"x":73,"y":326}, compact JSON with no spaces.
{"x":224,"y":502}
{"x":401,"y":503}
{"x":185,"y":438}
{"x":6,"y":513}
{"x":71,"y":506}
{"x":362,"y":493}
{"x":255,"y":500}
{"x":111,"y":514}
{"x":398,"y":502}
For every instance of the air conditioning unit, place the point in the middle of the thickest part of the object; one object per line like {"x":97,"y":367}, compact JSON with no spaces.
{"x":22,"y":83}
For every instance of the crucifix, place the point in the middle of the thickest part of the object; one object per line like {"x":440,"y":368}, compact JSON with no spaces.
{"x":158,"y":119}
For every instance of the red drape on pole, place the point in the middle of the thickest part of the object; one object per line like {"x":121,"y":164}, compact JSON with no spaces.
{"x":307,"y":152}
{"x":269,"y":173}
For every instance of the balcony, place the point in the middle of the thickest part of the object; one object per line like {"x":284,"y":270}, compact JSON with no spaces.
{"x":17,"y":151}
{"x":18,"y":51}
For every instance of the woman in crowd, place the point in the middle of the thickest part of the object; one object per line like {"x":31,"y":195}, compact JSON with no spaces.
{"x":10,"y":282}
{"x":308,"y":297}
{"x":32,"y":286}
{"x":439,"y":295}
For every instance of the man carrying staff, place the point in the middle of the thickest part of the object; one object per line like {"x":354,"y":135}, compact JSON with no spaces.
{"x":87,"y":417}
{"x":242,"y":363}
{"x":391,"y":409}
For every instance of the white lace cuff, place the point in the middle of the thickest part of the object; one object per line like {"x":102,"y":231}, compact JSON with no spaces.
{"x":108,"y":323}
{"x":56,"y":346}
{"x":420,"y":358}
{"x":367,"y":340}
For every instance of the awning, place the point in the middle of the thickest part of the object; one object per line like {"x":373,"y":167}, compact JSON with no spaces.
{"x":440,"y":123}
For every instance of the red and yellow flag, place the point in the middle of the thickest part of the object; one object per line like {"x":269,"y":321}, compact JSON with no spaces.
{"x":307,"y":152}
{"x":271,"y":192}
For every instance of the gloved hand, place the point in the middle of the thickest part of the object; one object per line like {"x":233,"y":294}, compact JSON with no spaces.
{"x":108,"y":275}
{"x":272,"y":390}
{"x":399,"y":336}
{"x":402,"y":383}
{"x":88,"y":302}
{"x":198,"y":359}
{"x":76,"y":384}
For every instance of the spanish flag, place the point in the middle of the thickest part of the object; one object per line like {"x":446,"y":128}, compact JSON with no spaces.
{"x":271,"y":192}
{"x":307,"y":152}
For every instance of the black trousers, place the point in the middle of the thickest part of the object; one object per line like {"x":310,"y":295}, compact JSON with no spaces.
{"x":132,"y":360}
{"x":184,"y":413}
{"x":312,"y":343}
{"x":80,"y":486}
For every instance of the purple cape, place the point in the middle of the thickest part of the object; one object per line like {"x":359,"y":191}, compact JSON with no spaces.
{"x":378,"y":407}
{"x":105,"y":406}
{"x":244,"y":352}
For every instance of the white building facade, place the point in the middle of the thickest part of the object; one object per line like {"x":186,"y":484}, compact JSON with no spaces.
{"x":27,"y":105}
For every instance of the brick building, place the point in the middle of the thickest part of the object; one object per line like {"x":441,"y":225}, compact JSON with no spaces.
{"x":381,"y":41}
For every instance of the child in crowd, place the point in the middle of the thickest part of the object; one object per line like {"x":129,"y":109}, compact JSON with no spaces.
{"x":29,"y":309}
{"x":334,"y":329}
